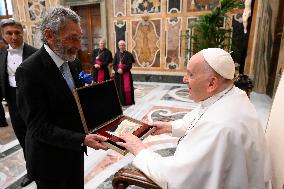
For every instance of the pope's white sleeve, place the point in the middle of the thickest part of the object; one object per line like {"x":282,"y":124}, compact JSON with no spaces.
{"x":148,"y":166}
{"x":180,"y":126}
{"x":192,"y":159}
{"x":178,"y":129}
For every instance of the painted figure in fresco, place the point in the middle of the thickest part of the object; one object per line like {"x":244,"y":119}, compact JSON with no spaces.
{"x":145,"y":43}
{"x":10,"y":58}
{"x":135,"y":5}
{"x":101,"y":57}
{"x":36,"y":9}
{"x":219,"y":146}
{"x":122,"y":65}
{"x":56,"y":140}
{"x":145,"y":6}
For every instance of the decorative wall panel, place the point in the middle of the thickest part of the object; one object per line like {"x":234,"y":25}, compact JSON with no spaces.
{"x":156,"y":31}
{"x":145,"y":6}
{"x":201,"y":5}
{"x":146,"y":42}
{"x":264,"y":50}
{"x":188,"y":37}
{"x":174,"y":6}
{"x":173,"y":43}
{"x":36,"y":37}
{"x":119,"y":30}
{"x":36,"y":9}
{"x":119,"y":7}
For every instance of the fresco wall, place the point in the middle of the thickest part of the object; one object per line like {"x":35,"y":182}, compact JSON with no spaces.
{"x":30,"y":13}
{"x":156,"y":31}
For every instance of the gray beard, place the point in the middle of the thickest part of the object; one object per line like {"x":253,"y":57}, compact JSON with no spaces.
{"x":62,"y":52}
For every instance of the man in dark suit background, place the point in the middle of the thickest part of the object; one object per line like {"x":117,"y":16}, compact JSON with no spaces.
{"x":55,"y":136}
{"x":3,"y":121}
{"x":10,"y":58}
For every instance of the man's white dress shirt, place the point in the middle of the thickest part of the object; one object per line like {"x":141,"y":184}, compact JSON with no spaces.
{"x":14,"y":59}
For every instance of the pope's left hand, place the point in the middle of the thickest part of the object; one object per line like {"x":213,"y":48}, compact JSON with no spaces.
{"x":132,"y":143}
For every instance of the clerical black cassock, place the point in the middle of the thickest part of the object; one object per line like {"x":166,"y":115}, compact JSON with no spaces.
{"x":124,"y":81}
{"x":101,"y":57}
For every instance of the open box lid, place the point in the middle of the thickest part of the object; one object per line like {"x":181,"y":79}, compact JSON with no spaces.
{"x":98,"y":104}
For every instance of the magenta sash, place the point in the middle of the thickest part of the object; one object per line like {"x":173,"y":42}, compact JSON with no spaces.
{"x":126,"y":84}
{"x":101,"y":73}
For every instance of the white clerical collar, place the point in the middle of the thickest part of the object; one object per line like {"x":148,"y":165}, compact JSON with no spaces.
{"x":211,"y":100}
{"x":58,"y":61}
{"x":16,"y":50}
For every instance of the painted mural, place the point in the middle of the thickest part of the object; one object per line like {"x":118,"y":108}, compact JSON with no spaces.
{"x":173,"y":42}
{"x":36,"y":37}
{"x":157,"y":32}
{"x":145,"y":43}
{"x":36,"y":9}
{"x":201,"y":5}
{"x":173,"y":6}
{"x":145,"y":6}
{"x":120,"y":29}
{"x":119,"y":8}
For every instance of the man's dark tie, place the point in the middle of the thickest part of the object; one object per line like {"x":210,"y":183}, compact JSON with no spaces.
{"x":67,"y":75}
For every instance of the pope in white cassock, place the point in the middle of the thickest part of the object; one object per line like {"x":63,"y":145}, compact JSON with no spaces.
{"x":222,"y":142}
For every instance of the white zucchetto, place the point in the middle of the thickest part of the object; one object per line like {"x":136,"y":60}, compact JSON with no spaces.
{"x":221,"y":61}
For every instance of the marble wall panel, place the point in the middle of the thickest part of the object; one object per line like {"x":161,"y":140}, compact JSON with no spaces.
{"x":188,"y":39}
{"x":201,"y":5}
{"x":36,"y":9}
{"x":174,"y":6}
{"x":173,"y":43}
{"x":146,"y":43}
{"x":119,"y":30}
{"x":145,"y":6}
{"x":36,"y":37}
{"x":119,"y":8}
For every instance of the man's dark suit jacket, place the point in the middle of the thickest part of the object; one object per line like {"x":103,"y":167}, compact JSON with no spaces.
{"x":55,"y":132}
{"x":4,"y":82}
{"x":17,"y":122}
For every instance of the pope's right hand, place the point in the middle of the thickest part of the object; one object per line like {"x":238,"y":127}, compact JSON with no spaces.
{"x":161,"y":127}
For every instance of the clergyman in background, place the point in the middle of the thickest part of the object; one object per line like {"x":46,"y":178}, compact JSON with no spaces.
{"x":101,"y":57}
{"x":122,"y":65}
